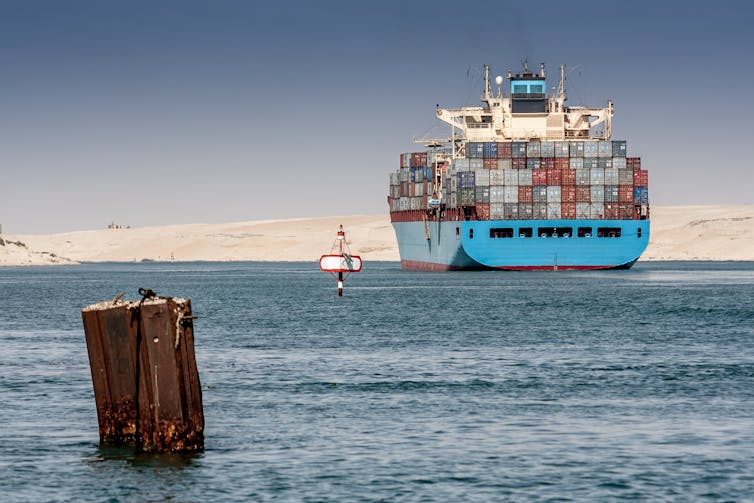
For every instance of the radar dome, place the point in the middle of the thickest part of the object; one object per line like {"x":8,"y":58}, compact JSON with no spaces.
{"x":499,"y":80}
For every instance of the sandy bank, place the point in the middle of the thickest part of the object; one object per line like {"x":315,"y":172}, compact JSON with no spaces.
{"x":678,"y":233}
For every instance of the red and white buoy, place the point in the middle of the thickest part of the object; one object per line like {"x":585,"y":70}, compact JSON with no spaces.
{"x":341,"y":262}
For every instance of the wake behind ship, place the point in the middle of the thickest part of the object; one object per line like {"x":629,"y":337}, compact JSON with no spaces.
{"x":522,"y":183}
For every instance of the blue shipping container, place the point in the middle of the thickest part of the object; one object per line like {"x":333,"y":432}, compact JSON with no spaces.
{"x":641,"y":195}
{"x":518,"y":149}
{"x":474,"y":150}
{"x":619,"y":148}
{"x":489,"y":151}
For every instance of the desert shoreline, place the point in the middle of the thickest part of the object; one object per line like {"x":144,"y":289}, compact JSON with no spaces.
{"x":685,"y":233}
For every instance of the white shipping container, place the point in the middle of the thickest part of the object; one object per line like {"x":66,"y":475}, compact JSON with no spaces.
{"x":394,"y":180}
{"x":597,"y":211}
{"x":406,"y":161}
{"x":453,"y":200}
{"x":510,"y":177}
{"x":605,"y":148}
{"x":597,"y":194}
{"x":503,"y":164}
{"x":476,"y":164}
{"x":461,"y":164}
{"x":482,"y":177}
{"x":497,"y":194}
{"x":404,"y":175}
{"x":553,"y":210}
{"x":510,"y":194}
{"x":554,"y":194}
{"x":419,"y":189}
{"x":597,"y":176}
{"x":619,"y":162}
{"x":497,"y":211}
{"x":611,"y":176}
{"x":497,"y":177}
{"x":583,"y":210}
{"x":576,"y":162}
{"x":524,"y":177}
{"x":582,"y":177}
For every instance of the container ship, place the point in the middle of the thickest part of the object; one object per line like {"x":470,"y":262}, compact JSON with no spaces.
{"x":523,"y":182}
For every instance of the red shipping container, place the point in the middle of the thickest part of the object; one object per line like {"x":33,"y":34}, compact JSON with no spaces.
{"x":539,"y":177}
{"x":554,"y":177}
{"x":626,"y":194}
{"x":612,"y":211}
{"x":628,"y":211}
{"x":504,"y":150}
{"x":641,"y":178}
{"x":483,"y":211}
{"x":518,"y":163}
{"x":405,"y":189}
{"x":583,"y":194}
{"x":568,"y":195}
{"x":568,"y":176}
{"x":418,"y":159}
{"x":567,"y":210}
{"x":489,"y":163}
{"x":562,"y":163}
{"x":633,"y":162}
{"x":402,"y":158}
{"x":525,"y":194}
{"x":547,"y":162}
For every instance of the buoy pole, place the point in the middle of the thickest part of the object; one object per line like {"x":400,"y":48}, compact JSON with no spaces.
{"x":341,"y":240}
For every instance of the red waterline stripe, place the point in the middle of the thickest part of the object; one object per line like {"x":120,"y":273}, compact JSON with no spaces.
{"x":415,"y":265}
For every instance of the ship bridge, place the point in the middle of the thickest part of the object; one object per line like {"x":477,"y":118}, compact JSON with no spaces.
{"x":525,"y":112}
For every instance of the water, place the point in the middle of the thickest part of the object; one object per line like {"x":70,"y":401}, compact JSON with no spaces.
{"x":562,"y":386}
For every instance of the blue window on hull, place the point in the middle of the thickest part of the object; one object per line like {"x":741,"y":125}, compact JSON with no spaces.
{"x":504,"y":232}
{"x":608,"y":232}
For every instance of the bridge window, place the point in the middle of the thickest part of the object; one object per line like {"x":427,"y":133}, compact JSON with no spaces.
{"x":501,"y":232}
{"x":585,"y":232}
{"x":608,"y":232}
{"x":519,"y":88}
{"x":535,"y":89}
{"x":525,"y":232}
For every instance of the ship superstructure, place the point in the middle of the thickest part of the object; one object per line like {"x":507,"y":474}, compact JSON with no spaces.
{"x":522,"y":182}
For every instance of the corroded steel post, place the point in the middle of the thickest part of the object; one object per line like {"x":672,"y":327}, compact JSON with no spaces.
{"x":144,"y":374}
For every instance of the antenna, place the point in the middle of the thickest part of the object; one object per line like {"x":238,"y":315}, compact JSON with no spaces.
{"x":525,"y":63}
{"x":487,"y":81}
{"x":561,"y":84}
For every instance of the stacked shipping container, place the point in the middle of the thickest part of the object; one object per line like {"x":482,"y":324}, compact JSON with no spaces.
{"x":590,"y":179}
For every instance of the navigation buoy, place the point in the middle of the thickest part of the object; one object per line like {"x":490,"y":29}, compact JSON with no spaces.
{"x":341,"y":262}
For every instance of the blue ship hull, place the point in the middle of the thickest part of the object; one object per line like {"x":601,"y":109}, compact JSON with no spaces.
{"x":457,"y":245}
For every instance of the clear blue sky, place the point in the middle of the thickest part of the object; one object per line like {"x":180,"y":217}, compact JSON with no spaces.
{"x":149,"y":113}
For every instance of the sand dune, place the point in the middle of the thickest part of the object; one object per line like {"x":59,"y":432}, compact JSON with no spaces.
{"x":678,"y":233}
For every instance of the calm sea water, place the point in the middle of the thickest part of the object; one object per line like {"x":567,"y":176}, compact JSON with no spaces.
{"x":563,"y":386}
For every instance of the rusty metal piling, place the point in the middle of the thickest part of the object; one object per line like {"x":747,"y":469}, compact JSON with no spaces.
{"x":146,"y":384}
